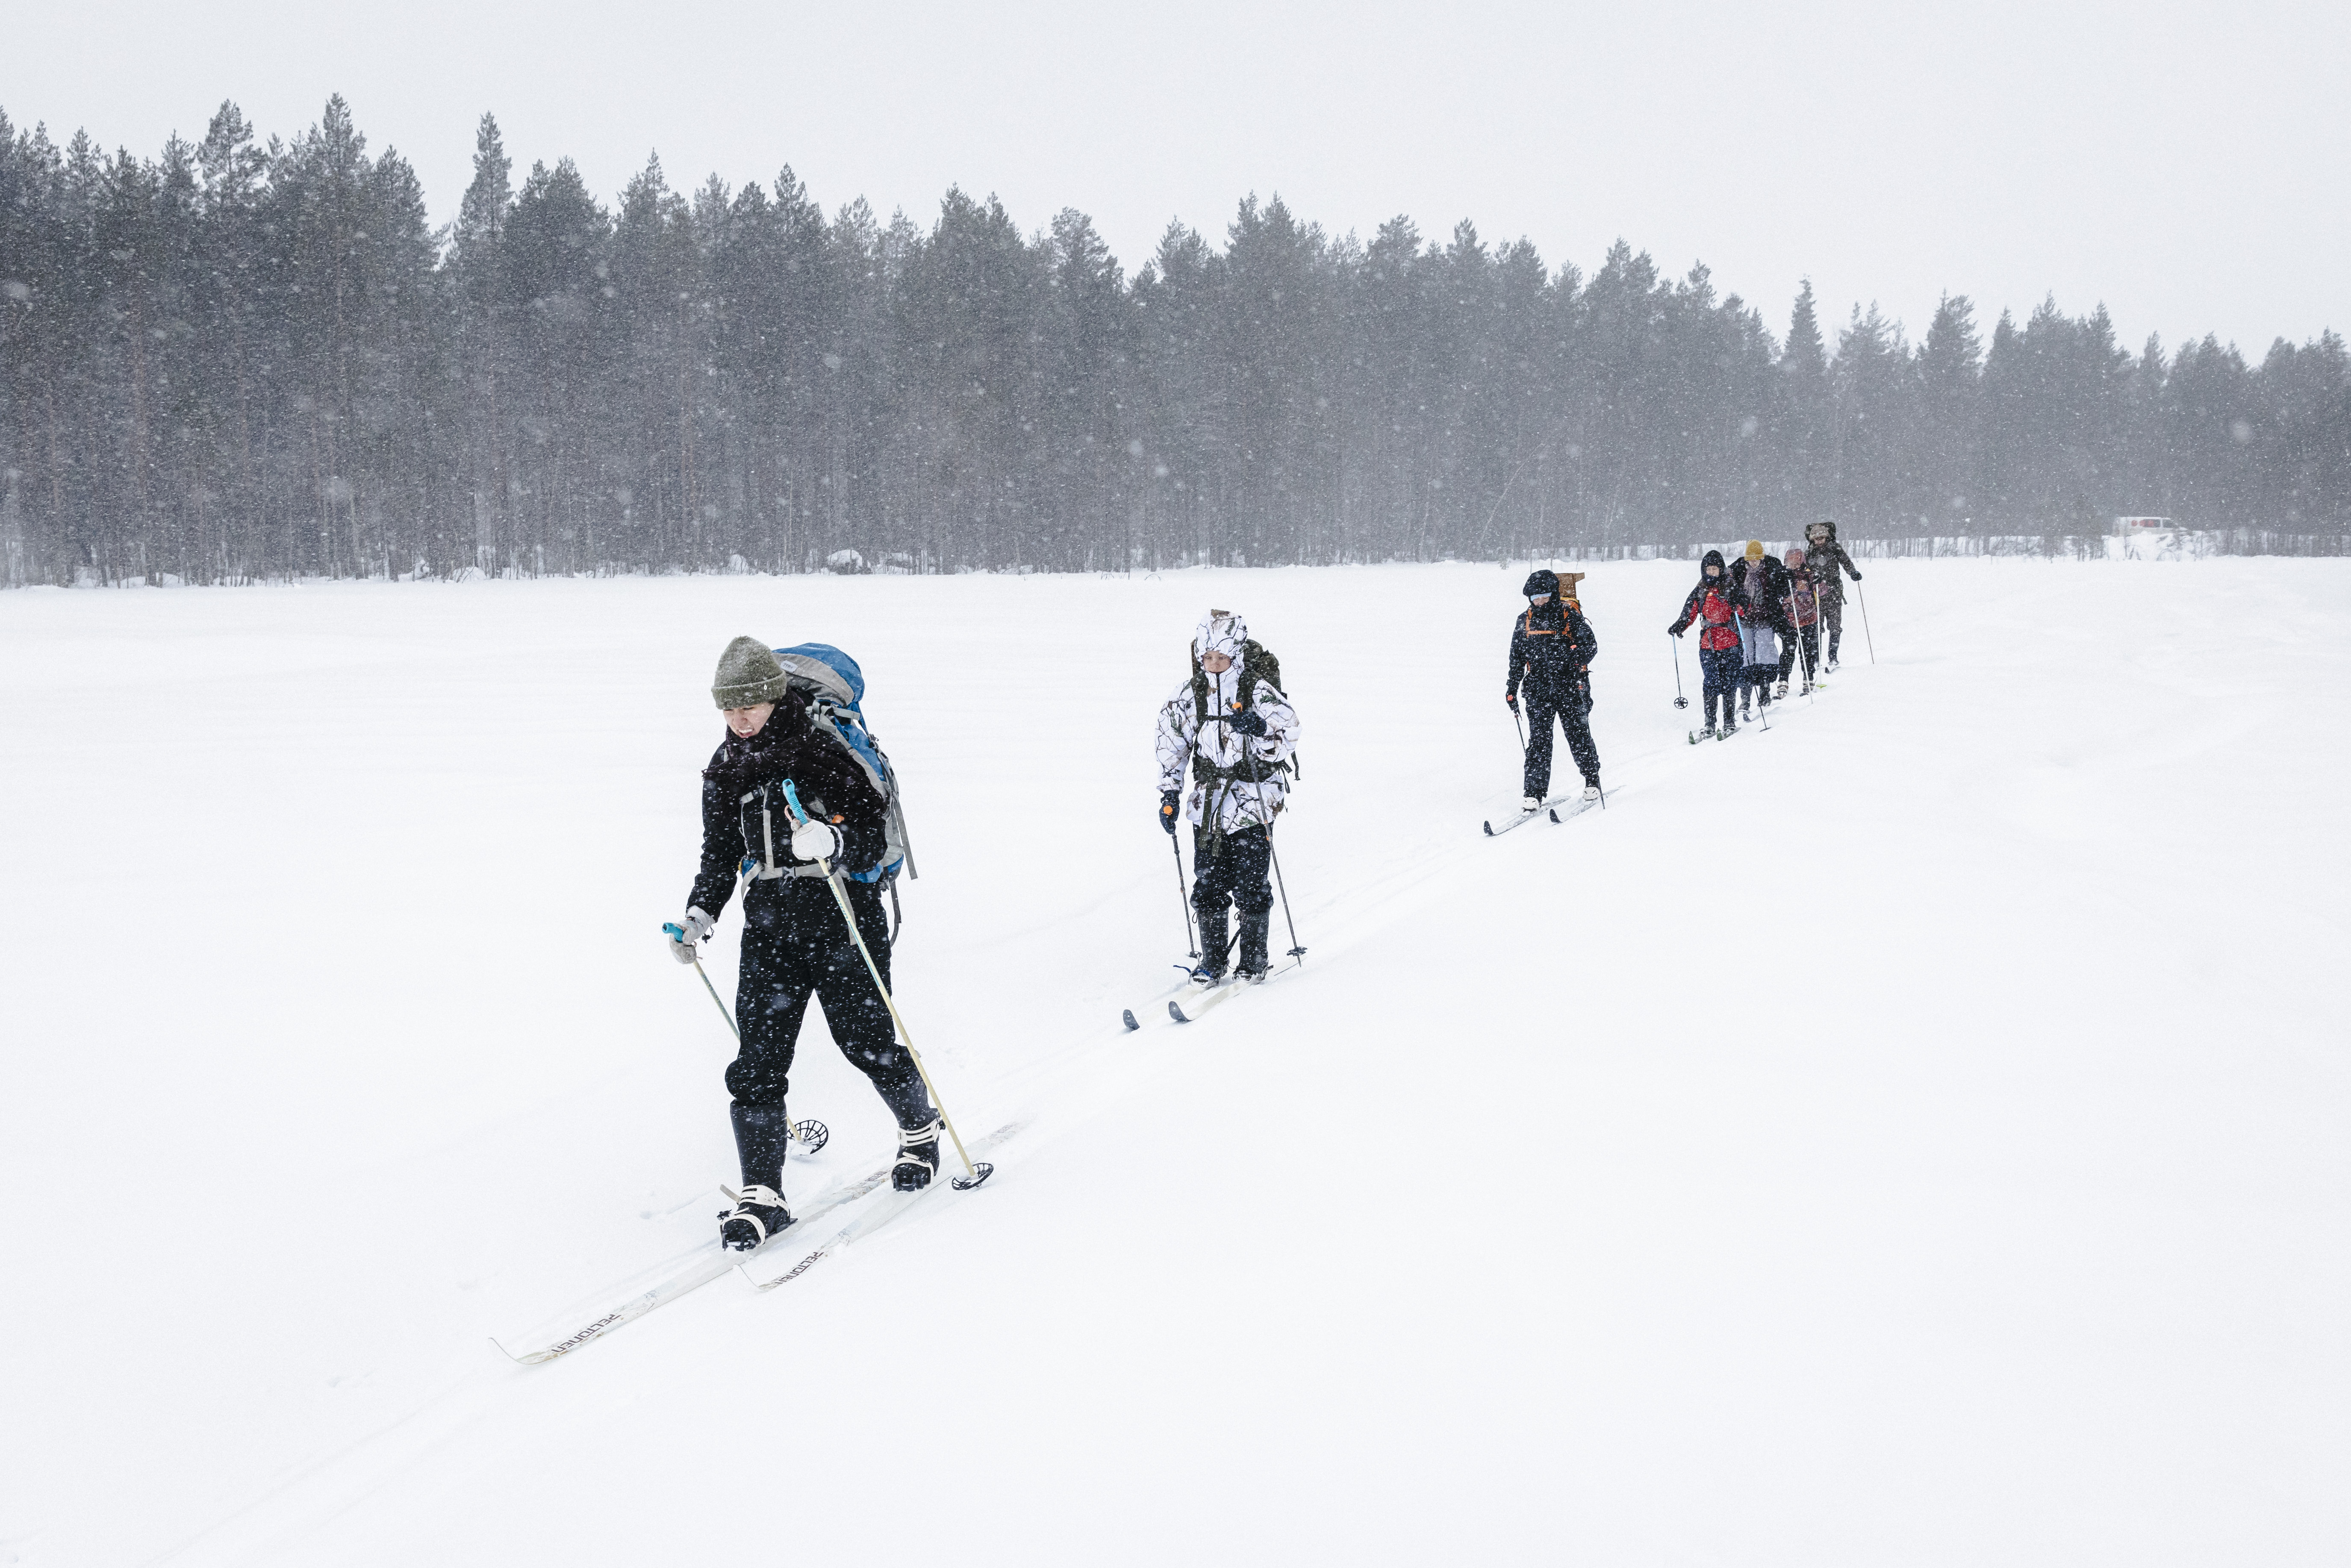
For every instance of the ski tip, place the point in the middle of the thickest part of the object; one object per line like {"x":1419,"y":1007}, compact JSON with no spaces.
{"x":1489,"y":830}
{"x":980,"y":1171}
{"x":1176,"y":1013}
{"x":1128,"y":1014}
{"x":1554,"y":813}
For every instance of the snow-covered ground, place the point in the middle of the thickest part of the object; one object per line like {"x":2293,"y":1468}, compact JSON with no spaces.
{"x":1913,"y":1135}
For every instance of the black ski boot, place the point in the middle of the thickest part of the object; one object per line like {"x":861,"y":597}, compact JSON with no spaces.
{"x":762,"y":1132}
{"x":759,"y":1213}
{"x":918,"y":1156}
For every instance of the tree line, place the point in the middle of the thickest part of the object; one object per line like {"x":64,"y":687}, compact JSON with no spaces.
{"x":245,"y":359}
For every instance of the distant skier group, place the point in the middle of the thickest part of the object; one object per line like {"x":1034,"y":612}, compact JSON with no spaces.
{"x":799,"y":803}
{"x":1760,"y":621}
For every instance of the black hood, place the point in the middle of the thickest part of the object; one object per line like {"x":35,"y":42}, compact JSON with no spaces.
{"x":1713,"y":558}
{"x":1542,"y":581}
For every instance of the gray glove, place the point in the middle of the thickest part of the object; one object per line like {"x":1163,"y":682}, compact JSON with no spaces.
{"x":685,"y":940}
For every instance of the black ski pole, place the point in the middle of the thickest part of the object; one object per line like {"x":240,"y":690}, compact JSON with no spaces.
{"x":809,"y":1132}
{"x":1522,"y":729}
{"x":1296,"y":951}
{"x":1257,"y":776}
{"x":1864,"y":598}
{"x":1680,"y":700}
{"x":1183,"y":897}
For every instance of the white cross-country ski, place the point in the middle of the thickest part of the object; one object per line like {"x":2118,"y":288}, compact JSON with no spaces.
{"x":710,"y":1262}
{"x":889,"y":1207}
{"x":1576,"y":805}
{"x":1187,"y":1009}
{"x":1547,"y":809}
{"x":1127,"y":1014}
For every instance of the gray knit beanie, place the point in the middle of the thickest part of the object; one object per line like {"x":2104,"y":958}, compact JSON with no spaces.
{"x":747,"y":675}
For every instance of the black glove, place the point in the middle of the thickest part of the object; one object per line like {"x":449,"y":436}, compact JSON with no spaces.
{"x":1167,"y":811}
{"x":1857,"y":576}
{"x":1249,"y":721}
{"x":1676,"y":628}
{"x":1512,"y":698}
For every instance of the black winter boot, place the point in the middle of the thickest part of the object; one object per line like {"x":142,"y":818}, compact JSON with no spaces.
{"x":759,"y":1213}
{"x":1252,"y":964}
{"x":1213,"y":947}
{"x":762,"y":1132}
{"x":761,"y":1135}
{"x":909,"y":1101}
{"x":918,"y":1156}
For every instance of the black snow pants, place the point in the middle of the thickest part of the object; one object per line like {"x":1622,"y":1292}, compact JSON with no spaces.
{"x":1833,"y":615}
{"x":1810,"y":667}
{"x":1233,"y":867}
{"x":1725,"y":669}
{"x":1574,"y":711}
{"x":796,"y":944}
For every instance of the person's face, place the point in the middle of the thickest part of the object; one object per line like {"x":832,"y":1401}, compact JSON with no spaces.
{"x":1714,"y":571}
{"x":1216,"y":663}
{"x":746,"y":722}
{"x":1816,"y":533}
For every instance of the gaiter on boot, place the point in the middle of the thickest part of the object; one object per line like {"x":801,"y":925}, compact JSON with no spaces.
{"x":909,"y":1101}
{"x":1213,"y":939}
{"x":1253,"y":940}
{"x":761,"y":1133}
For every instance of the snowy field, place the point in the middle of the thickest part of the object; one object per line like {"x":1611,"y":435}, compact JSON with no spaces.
{"x":1916,"y":1134}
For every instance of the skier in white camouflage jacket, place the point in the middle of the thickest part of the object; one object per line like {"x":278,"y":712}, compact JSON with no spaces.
{"x":1231,"y":726}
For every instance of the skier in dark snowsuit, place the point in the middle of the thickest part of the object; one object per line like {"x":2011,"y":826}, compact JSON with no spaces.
{"x":1552,"y":650}
{"x":1825,"y":555}
{"x":795,"y":943}
{"x":1712,"y":604}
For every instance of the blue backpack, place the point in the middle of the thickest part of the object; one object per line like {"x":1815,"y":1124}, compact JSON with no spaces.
{"x":835,"y":688}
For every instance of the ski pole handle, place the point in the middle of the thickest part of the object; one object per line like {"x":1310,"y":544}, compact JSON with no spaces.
{"x":676,"y":932}
{"x":800,"y":816}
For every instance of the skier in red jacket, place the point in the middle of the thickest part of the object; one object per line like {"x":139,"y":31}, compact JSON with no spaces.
{"x":1713,"y":607}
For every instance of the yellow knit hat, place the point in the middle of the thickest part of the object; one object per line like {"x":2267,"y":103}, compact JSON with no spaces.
{"x":1754,"y":549}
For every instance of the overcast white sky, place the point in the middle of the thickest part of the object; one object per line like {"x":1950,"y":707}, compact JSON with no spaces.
{"x":2188,"y":165}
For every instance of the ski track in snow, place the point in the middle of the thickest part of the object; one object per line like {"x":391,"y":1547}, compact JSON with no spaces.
{"x":1914,"y":1135}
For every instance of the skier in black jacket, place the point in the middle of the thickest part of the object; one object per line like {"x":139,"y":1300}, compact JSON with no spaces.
{"x":1552,"y":650}
{"x":1758,"y":582}
{"x":794,"y":943}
